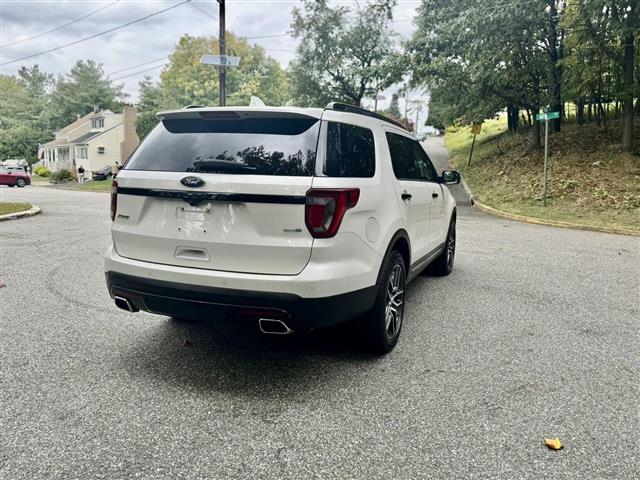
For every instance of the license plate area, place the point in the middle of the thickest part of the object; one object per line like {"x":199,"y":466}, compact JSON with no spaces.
{"x":187,"y":213}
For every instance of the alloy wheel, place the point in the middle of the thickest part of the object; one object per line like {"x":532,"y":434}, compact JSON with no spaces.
{"x":451,"y":244}
{"x":394,"y":310}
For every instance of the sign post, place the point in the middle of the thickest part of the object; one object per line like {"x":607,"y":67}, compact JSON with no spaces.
{"x":546,"y":116}
{"x":476,"y":128}
{"x":222,"y":62}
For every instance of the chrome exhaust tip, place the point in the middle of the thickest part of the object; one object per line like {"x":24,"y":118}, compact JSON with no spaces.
{"x":124,"y":304}
{"x":273,"y":326}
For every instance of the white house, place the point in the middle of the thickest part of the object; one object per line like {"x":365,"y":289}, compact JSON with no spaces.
{"x":94,"y":141}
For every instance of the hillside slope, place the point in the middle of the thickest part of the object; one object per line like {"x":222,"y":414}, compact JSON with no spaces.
{"x":590,"y":180}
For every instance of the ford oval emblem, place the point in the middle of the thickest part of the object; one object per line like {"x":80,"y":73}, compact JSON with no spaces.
{"x":192,"y":181}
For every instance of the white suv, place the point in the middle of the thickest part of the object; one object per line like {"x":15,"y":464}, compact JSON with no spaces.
{"x":287,"y":217}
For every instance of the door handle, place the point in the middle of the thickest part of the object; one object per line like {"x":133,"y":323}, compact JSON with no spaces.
{"x":434,"y":195}
{"x":406,"y":196}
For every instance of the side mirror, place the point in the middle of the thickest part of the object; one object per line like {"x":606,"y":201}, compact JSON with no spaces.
{"x":450,"y":177}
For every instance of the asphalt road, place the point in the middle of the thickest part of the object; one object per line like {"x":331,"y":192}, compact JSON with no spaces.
{"x":535,"y":334}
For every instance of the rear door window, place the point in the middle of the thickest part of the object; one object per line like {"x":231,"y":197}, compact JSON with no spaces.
{"x":254,"y":146}
{"x":350,"y":151}
{"x":409,"y":160}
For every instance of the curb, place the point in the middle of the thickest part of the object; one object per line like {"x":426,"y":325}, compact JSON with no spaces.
{"x":552,"y":223}
{"x":34,"y":210}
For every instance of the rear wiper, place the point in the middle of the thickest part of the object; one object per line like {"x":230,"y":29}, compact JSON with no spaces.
{"x":221,"y":166}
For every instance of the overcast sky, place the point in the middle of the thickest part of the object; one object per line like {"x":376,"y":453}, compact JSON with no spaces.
{"x":147,"y":41}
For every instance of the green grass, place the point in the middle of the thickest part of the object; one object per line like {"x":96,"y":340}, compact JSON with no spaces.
{"x":507,"y":174}
{"x":92,"y":186}
{"x":7,"y":207}
{"x":38,"y":179}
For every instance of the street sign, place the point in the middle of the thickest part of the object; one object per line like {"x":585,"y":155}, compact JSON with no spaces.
{"x":223,"y":60}
{"x":547,"y":116}
{"x":476,"y":128}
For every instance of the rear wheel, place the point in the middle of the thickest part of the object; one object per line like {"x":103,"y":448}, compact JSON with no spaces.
{"x":20,"y":182}
{"x":443,"y":265}
{"x":384,"y":321}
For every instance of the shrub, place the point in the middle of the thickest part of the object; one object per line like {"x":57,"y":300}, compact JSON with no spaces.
{"x":37,"y":168}
{"x":43,"y":171}
{"x":62,"y":175}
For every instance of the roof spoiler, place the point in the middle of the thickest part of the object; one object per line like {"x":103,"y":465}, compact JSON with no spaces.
{"x":345,"y":107}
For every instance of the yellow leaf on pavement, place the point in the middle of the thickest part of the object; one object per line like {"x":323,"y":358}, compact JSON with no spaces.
{"x":553,"y":443}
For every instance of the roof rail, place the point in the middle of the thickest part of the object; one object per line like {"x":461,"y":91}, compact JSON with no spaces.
{"x":194,"y":106}
{"x":344,"y":107}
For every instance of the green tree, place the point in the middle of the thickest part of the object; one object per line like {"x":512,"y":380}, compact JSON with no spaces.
{"x":344,"y":55}
{"x":83,"y":88}
{"x":479,"y":58}
{"x":151,"y":102}
{"x":185,"y":81}
{"x":24,"y":113}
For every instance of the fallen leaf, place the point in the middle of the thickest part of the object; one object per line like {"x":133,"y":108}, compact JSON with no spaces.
{"x":553,"y":443}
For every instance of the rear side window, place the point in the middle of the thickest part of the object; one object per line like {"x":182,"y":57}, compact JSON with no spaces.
{"x":410,"y":161}
{"x":350,"y":151}
{"x":254,"y":146}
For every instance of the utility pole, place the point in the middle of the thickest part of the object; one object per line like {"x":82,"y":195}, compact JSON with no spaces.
{"x":418,"y":109}
{"x":223,"y":53}
{"x":406,"y":103}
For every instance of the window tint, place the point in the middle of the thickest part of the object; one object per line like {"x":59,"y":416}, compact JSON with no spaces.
{"x":410,"y":162}
{"x":253,"y":146}
{"x":350,"y":151}
{"x":424,"y":162}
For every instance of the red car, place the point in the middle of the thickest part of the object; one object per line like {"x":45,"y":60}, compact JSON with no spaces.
{"x":14,"y":177}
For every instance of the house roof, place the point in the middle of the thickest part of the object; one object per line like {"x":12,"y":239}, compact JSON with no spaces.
{"x":77,"y":123}
{"x":84,"y":138}
{"x":57,"y":141}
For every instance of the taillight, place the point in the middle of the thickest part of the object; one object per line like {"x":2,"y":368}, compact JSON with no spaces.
{"x":114,"y":199}
{"x":325,"y":208}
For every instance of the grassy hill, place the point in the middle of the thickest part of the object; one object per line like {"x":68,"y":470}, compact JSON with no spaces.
{"x":590,"y":180}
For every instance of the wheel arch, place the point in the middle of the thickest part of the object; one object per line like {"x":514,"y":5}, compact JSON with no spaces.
{"x":399,"y":242}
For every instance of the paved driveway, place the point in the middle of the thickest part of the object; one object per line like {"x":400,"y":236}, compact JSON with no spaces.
{"x":535,"y":334}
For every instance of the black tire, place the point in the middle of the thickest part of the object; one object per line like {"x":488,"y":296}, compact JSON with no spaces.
{"x":20,"y":182}
{"x":381,"y":325}
{"x":443,"y":265}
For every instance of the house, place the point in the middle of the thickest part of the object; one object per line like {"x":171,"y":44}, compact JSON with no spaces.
{"x":94,"y":141}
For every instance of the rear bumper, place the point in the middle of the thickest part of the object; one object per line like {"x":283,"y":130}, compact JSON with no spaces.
{"x":224,"y":304}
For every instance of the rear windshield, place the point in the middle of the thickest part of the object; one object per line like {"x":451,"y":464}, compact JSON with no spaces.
{"x":252,"y":146}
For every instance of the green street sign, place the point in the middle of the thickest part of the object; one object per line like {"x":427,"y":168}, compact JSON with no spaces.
{"x":547,"y":116}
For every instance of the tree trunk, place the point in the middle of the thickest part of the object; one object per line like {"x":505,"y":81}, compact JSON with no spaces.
{"x":512,"y":118}
{"x":535,"y":141}
{"x":580,"y":111}
{"x":555,"y":72}
{"x":627,"y":107}
{"x":590,"y":109}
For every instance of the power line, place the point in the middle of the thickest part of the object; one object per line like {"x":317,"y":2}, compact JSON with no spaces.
{"x":136,"y":66}
{"x":139,"y":72}
{"x":60,"y":27}
{"x":267,"y":36}
{"x":95,"y":34}
{"x":165,"y":63}
{"x":204,"y":11}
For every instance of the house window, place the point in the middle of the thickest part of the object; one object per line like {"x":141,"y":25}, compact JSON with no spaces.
{"x":82,"y":153}
{"x":97,"y":123}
